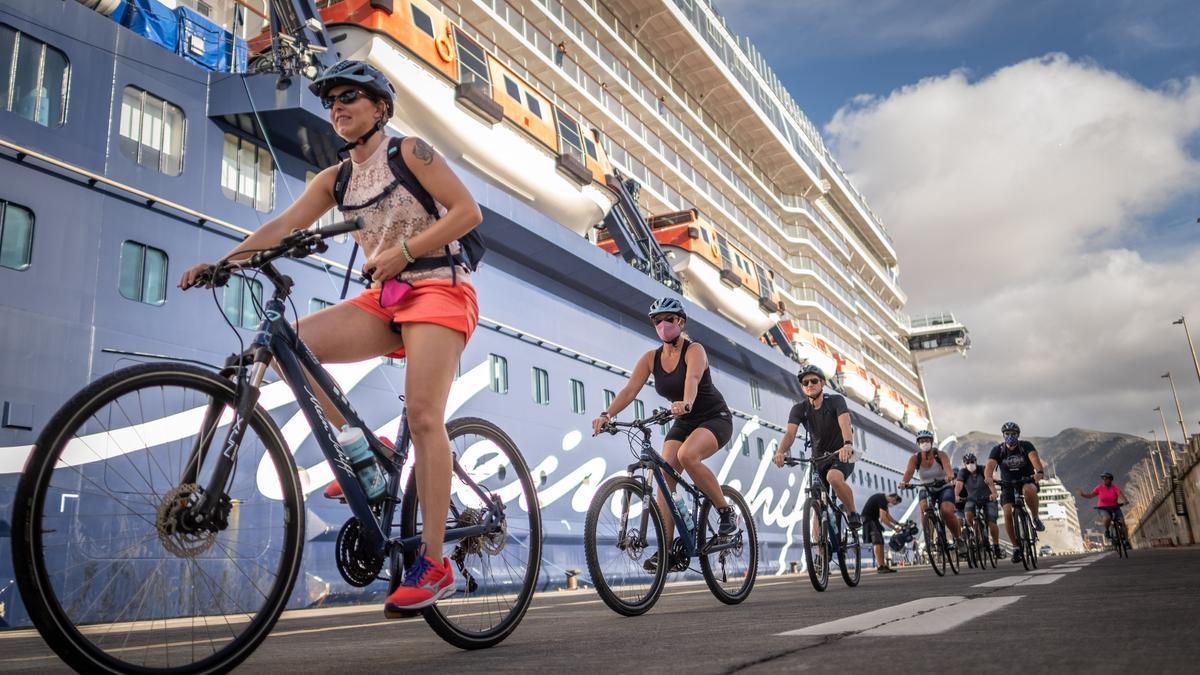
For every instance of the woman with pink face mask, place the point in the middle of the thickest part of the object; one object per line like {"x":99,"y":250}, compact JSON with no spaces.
{"x":702,"y":420}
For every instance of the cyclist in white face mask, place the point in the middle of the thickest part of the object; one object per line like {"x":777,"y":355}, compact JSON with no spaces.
{"x":933,"y":466}
{"x":980,"y":498}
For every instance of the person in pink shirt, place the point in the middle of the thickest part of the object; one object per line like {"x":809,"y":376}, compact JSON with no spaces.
{"x":1109,"y":502}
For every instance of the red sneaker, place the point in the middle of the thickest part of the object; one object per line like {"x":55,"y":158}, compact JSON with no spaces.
{"x":424,"y":583}
{"x":334,"y":489}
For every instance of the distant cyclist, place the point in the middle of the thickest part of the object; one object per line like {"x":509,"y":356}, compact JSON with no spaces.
{"x":980,"y":497}
{"x":403,"y":243}
{"x":1017,"y":459}
{"x":702,"y":424}
{"x":933,"y":467}
{"x":826,"y":418}
{"x":1109,"y":503}
{"x":874,"y":515}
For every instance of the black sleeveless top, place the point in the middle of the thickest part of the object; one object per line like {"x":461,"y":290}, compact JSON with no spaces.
{"x":709,"y":401}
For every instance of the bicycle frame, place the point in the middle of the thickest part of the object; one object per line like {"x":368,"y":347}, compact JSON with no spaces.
{"x":277,"y":339}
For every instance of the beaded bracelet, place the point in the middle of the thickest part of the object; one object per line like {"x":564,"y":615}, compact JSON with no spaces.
{"x":407,"y":256}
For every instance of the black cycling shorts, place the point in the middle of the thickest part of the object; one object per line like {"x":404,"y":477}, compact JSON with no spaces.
{"x":720,"y":425}
{"x":1006,"y":491}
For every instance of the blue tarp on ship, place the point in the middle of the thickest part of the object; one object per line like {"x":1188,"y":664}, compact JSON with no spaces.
{"x":184,"y":32}
{"x":152,"y":20}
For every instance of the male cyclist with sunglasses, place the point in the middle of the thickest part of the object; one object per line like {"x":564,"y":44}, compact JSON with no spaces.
{"x":702,"y":423}
{"x":826,"y":418}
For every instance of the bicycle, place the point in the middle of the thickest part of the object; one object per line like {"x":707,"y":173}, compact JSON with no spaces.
{"x":1022,"y":523}
{"x":970,"y":546}
{"x":823,"y":514}
{"x":186,"y":562}
{"x":978,"y":534}
{"x":1118,"y":534}
{"x":937,"y":545}
{"x":623,"y":522}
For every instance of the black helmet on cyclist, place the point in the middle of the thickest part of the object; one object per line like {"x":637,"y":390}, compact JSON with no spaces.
{"x":667,"y":306}
{"x":1010,"y":428}
{"x":924,"y":435}
{"x":359,"y":73}
{"x":1105,"y":475}
{"x":810,"y":369}
{"x":969,"y":458}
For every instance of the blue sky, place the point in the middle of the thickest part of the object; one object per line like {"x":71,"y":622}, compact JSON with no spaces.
{"x":1038,"y":165}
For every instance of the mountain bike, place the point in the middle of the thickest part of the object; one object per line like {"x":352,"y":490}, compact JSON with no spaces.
{"x":937,"y":544}
{"x":160,"y":520}
{"x":624,"y":525}
{"x":978,"y":533}
{"x":826,"y":526}
{"x":1118,"y":534}
{"x":1022,"y":523}
{"x":970,"y":547}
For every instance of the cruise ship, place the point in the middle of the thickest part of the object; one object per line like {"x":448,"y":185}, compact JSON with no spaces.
{"x":620,"y":151}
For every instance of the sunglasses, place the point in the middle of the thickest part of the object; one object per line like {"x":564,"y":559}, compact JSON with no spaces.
{"x":809,"y":383}
{"x":667,"y":319}
{"x":346,"y":97}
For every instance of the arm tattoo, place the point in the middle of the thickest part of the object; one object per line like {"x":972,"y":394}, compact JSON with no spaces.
{"x":423,"y":151}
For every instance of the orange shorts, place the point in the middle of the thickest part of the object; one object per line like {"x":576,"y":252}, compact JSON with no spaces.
{"x":437,"y":301}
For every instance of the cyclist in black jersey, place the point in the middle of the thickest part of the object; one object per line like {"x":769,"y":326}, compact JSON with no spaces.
{"x":980,"y":498}
{"x":1016,"y":459}
{"x":703,"y":422}
{"x":826,"y":418}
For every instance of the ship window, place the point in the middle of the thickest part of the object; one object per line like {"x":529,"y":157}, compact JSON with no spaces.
{"x":533,"y":105}
{"x":330,"y":216}
{"x":152,"y":131}
{"x":578,"y":402}
{"x":498,"y":365}
{"x":247,"y":176}
{"x":143,"y":276}
{"x":242,"y":299}
{"x":472,"y":61}
{"x":755,"y":394}
{"x":34,"y":79}
{"x":591,"y":149}
{"x":704,"y":236}
{"x":609,"y":396}
{"x":422,"y":20}
{"x":762,"y":448}
{"x":514,"y":92}
{"x":639,"y":409}
{"x":317,"y":304}
{"x":541,"y":387}
{"x":395,"y":363}
{"x":568,"y":135}
{"x":16,"y":235}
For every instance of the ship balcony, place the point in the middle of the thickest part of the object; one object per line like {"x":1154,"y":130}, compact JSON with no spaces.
{"x":938,"y":335}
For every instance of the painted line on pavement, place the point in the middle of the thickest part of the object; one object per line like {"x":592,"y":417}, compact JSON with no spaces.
{"x":876,"y":618}
{"x":942,"y":619}
{"x":1041,"y":580}
{"x":1004,"y":581}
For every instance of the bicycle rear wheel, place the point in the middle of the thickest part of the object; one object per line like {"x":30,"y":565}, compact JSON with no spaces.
{"x":730,"y":572}
{"x":850,"y":556}
{"x":934,"y":548}
{"x":112,"y":576}
{"x":494,"y":573}
{"x":951,"y":556}
{"x":1024,"y":537}
{"x":628,"y":566}
{"x":816,"y":544}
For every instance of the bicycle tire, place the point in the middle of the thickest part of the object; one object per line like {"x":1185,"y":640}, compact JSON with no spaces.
{"x":850,"y":548}
{"x":750,"y":545}
{"x":443,"y":617}
{"x":1021,"y":523}
{"x":951,"y":556}
{"x":607,"y":590}
{"x":933,"y":546}
{"x":34,"y":579}
{"x":816,"y":554}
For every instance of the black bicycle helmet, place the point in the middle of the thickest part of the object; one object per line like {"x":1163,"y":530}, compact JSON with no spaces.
{"x":811,"y":369}
{"x":666,"y":306}
{"x":1106,"y":475}
{"x":969,"y":458}
{"x":360,"y":73}
{"x":1010,"y":427}
{"x":924,"y":434}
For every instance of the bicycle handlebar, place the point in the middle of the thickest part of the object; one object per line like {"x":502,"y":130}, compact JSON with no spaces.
{"x":789,"y":460}
{"x":299,"y":244}
{"x":660,"y":416}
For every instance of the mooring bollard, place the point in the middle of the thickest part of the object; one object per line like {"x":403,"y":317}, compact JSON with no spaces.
{"x":572,"y":580}
{"x":793,"y":567}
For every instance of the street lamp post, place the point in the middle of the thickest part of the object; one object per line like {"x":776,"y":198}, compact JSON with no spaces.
{"x":1167,"y":435}
{"x":1186,"y":332}
{"x":1178,"y":408}
{"x":1154,"y":468}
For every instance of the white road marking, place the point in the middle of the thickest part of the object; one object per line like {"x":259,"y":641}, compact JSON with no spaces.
{"x":942,"y":619}
{"x":875,"y":618}
{"x":1004,"y":581}
{"x":1056,"y":570}
{"x":1041,"y":580}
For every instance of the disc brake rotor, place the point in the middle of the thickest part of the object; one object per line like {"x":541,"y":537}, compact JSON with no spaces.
{"x":182,"y":544}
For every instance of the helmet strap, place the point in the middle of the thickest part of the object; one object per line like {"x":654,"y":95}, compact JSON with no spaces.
{"x":361,"y":139}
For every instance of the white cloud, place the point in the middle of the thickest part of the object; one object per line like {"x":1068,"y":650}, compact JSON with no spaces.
{"x":1010,"y":199}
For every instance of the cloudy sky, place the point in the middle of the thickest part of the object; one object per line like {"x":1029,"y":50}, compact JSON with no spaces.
{"x":1038,"y":164}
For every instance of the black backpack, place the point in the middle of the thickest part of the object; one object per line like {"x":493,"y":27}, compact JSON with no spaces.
{"x":471,"y":244}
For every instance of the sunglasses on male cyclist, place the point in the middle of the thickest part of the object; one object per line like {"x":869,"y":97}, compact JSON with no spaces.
{"x":346,"y":97}
{"x":809,"y":383}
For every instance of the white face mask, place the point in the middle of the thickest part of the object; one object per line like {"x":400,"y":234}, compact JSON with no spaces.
{"x":925,"y":447}
{"x":972,"y":467}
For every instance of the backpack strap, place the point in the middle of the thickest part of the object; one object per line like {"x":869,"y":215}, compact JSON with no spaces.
{"x":341,"y":183}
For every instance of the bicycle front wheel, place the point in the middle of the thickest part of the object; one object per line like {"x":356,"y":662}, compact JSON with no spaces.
{"x":1024,"y":537}
{"x":934,"y":547}
{"x":951,"y":556}
{"x":113,"y":576}
{"x":623,"y":542}
{"x":729,"y":572}
{"x":850,"y":555}
{"x":816,"y":544}
{"x":494,"y":573}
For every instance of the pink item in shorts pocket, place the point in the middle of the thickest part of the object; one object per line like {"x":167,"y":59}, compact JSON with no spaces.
{"x":394,"y":292}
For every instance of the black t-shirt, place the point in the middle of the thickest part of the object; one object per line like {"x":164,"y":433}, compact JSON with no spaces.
{"x":875,"y":503}
{"x":821,"y":423}
{"x":1014,"y":463}
{"x":974,"y":485}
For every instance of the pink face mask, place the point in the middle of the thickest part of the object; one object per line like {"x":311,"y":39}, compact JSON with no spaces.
{"x":668,"y":331}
